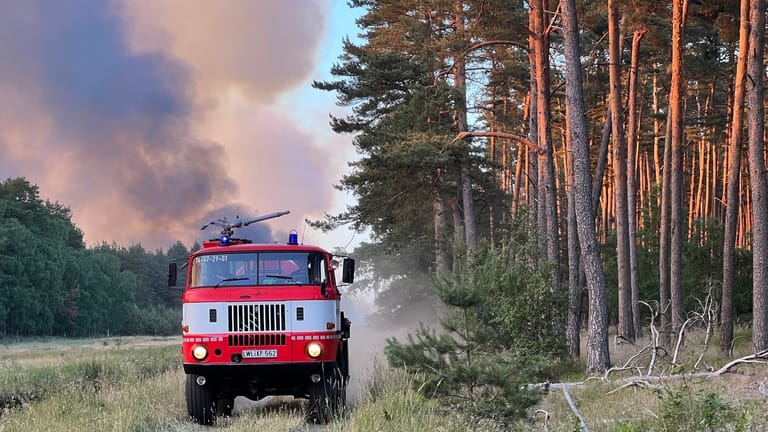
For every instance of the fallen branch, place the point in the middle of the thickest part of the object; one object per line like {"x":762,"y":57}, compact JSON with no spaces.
{"x":760,"y":358}
{"x":574,"y":409}
{"x":646,"y":380}
{"x":634,"y":383}
{"x":546,"y":418}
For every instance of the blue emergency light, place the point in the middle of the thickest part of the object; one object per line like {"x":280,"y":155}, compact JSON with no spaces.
{"x":293,"y":238}
{"x":224,"y":240}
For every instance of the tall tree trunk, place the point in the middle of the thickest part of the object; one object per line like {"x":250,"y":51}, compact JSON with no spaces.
{"x":625,"y":325}
{"x":439,"y":220}
{"x":732,"y":194}
{"x":757,"y":175}
{"x":598,"y":357}
{"x":533,"y":130}
{"x":460,"y":83}
{"x":602,"y":161}
{"x":676,"y":181}
{"x":664,"y":228}
{"x":459,"y":254}
{"x":657,"y":162}
{"x":632,"y":180}
{"x":545,"y":142}
{"x":573,"y":326}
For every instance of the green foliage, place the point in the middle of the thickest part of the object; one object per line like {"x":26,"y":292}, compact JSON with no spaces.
{"x":497,"y":334}
{"x":50,"y":284}
{"x":685,"y":410}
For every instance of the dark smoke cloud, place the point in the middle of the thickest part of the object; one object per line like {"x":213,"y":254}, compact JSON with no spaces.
{"x":109,"y":130}
{"x":122,"y":117}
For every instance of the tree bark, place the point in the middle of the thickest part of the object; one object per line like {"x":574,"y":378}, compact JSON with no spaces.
{"x":460,"y":83}
{"x":546,"y":158}
{"x":625,"y":325}
{"x":573,"y":326}
{"x":732,"y":194}
{"x":757,"y":175}
{"x":664,"y":228}
{"x":632,"y":180}
{"x":676,"y":181}
{"x":598,"y":357}
{"x":533,"y":129}
{"x":439,"y":220}
{"x":602,"y":160}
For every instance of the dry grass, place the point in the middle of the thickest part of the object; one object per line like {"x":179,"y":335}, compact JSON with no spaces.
{"x":606,"y":405}
{"x":136,"y":384}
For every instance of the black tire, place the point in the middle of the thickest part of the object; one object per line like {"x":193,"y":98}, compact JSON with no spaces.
{"x":224,"y":406}
{"x":328,"y":397}
{"x":343,"y":361}
{"x":200,"y":403}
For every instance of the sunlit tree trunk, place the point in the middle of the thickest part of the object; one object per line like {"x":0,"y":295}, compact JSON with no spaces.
{"x":632,"y":180}
{"x":757,"y":175}
{"x":533,"y":130}
{"x":679,"y":9}
{"x":657,"y":162}
{"x":732,"y":194}
{"x":664,"y":229}
{"x":546,"y":158}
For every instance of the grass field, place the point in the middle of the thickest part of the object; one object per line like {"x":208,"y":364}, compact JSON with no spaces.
{"x":136,"y":384}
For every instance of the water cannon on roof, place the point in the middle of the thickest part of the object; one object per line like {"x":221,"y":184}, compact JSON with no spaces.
{"x":228,"y":227}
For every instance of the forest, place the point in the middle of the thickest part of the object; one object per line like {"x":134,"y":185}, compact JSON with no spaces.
{"x":52,"y":285}
{"x":572,"y":160}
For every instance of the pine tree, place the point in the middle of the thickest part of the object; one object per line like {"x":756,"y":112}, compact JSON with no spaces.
{"x":496,"y":335}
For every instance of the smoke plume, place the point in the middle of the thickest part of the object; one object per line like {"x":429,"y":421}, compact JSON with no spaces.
{"x":116,"y":108}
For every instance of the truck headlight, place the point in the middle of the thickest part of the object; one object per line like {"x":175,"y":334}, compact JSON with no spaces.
{"x":314,"y":349}
{"x":199,"y":352}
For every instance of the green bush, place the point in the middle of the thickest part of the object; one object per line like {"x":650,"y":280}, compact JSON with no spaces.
{"x":502,"y":329}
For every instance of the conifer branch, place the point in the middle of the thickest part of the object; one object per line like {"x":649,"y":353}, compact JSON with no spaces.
{"x":513,"y":137}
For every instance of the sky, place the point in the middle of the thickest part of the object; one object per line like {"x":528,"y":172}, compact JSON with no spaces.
{"x":148,"y":118}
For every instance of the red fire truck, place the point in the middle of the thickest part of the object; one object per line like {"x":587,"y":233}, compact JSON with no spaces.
{"x":262,"y":320}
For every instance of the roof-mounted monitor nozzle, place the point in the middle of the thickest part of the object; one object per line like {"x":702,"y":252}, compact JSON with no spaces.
{"x":228,"y":228}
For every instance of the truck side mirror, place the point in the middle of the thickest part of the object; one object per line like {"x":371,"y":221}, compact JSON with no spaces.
{"x":172,"y":274}
{"x":348,"y":273}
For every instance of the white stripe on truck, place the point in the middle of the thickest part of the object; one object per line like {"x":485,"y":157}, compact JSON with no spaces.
{"x":317,"y":313}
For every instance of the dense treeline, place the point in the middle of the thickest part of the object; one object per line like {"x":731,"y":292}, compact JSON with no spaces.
{"x":52,"y":284}
{"x":628,"y":136}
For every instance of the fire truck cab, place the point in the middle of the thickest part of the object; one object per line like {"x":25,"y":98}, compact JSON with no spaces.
{"x":261,"y":320}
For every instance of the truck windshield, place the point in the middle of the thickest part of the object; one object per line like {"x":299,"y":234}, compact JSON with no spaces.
{"x":257,"y":268}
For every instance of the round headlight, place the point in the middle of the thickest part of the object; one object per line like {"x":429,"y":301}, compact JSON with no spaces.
{"x":314,"y":349}
{"x":199,"y":352}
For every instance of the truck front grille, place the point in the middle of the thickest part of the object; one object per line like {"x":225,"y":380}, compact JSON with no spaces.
{"x":250,"y":318}
{"x":249,"y":340}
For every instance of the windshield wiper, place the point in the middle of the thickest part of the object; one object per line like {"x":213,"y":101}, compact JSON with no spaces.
{"x":230,"y":280}
{"x":290,"y":278}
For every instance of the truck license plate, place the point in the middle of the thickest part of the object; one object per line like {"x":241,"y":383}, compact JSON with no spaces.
{"x":260,"y":353}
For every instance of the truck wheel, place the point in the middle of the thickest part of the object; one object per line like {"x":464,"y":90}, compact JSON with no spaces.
{"x":327,"y":398}
{"x":200,"y":403}
{"x":224,"y":406}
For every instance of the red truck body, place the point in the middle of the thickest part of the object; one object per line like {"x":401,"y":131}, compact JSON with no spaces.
{"x":262,"y":320}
